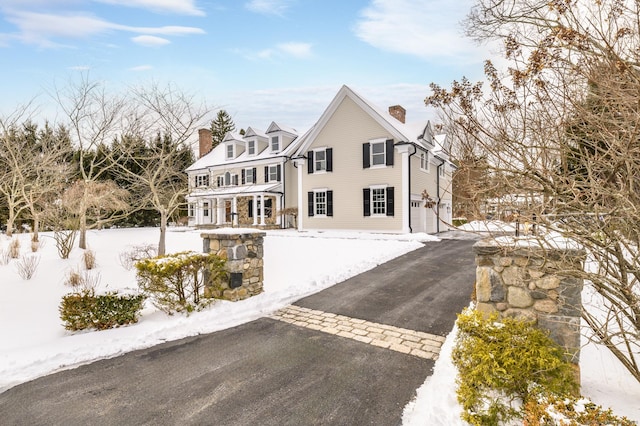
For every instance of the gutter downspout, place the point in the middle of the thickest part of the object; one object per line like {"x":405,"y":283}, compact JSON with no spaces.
{"x":438,"y":192}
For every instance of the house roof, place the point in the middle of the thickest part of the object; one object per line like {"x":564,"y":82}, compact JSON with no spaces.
{"x":217,"y":156}
{"x":417,"y":132}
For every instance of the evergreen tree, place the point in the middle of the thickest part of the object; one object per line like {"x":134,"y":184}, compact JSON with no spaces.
{"x":220,"y":126}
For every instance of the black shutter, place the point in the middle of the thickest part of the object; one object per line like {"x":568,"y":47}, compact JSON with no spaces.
{"x":243,"y":177}
{"x":389,"y":152}
{"x":255,"y":176}
{"x":266,"y":174}
{"x":366,"y":155}
{"x":310,"y":203}
{"x":310,"y":162}
{"x":235,"y":180}
{"x":329,"y":157}
{"x":250,"y":201}
{"x":390,"y":194}
{"x":279,"y":173}
{"x":329,"y":203}
{"x":366,"y":201}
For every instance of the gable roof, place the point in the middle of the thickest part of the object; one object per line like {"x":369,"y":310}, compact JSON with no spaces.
{"x":406,"y":132}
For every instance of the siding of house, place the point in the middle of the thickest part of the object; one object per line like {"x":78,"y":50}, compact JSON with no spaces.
{"x":345,"y":132}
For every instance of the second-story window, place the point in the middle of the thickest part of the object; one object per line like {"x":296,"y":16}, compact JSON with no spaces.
{"x":378,"y":154}
{"x":320,"y":160}
{"x":202,"y":181}
{"x":251,"y":147}
{"x":230,"y":151}
{"x":275,"y":143}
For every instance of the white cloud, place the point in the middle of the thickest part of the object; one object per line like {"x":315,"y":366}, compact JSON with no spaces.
{"x":295,"y":49}
{"x":150,"y":41}
{"x":80,"y":68}
{"x":183,"y":7}
{"x":268,"y":7}
{"x":141,"y":68}
{"x":428,"y":29}
{"x":39,"y":28}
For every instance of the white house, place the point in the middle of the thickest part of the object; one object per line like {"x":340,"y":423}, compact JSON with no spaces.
{"x":358,"y":168}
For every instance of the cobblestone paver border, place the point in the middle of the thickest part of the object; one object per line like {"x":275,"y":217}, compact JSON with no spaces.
{"x":416,"y":343}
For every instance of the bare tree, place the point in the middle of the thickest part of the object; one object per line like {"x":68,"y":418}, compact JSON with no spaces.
{"x":95,"y":118}
{"x":168,"y":118}
{"x":560,"y":131}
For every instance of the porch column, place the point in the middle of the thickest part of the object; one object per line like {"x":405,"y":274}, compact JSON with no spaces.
{"x":234,"y":211}
{"x":301,"y":212}
{"x":277,"y":209}
{"x":220,"y":210}
{"x":255,"y":210}
{"x":405,"y":195}
{"x":262,"y":210}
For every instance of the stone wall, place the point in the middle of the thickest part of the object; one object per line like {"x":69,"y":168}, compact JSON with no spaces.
{"x":243,"y":251}
{"x":521,"y":279}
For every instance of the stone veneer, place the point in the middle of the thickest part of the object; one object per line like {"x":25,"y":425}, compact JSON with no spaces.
{"x":243,"y":251}
{"x":524,"y":280}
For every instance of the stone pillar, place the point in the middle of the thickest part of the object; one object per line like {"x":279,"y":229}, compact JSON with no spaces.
{"x":524,"y":280}
{"x":243,"y":252}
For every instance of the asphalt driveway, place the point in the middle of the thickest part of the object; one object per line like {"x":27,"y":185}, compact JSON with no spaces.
{"x":283,"y":370}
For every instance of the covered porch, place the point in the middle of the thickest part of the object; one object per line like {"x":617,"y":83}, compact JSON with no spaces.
{"x":239,"y":206}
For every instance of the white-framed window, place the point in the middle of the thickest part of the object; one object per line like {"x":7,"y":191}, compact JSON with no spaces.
{"x":202,"y":181}
{"x":273,"y":173}
{"x":192,"y":210}
{"x":441,"y":170}
{"x":220,"y":180}
{"x":320,"y":203}
{"x":424,"y":161}
{"x":275,"y":143}
{"x":227,"y":179}
{"x":378,"y":154}
{"x":378,"y":201}
{"x":230,"y":151}
{"x":205,"y":209}
{"x":248,"y":176}
{"x":251,"y":147}
{"x":320,"y":160}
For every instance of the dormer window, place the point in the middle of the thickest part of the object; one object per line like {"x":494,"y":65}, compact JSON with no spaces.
{"x":230,"y":151}
{"x":275,"y":143}
{"x":251,"y":147}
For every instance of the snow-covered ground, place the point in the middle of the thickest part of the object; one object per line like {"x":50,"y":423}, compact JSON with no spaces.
{"x":34,"y":342}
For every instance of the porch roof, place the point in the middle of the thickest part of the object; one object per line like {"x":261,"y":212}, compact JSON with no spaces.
{"x":229,"y":191}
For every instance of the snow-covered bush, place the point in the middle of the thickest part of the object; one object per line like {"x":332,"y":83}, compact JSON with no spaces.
{"x":27,"y":266}
{"x":89,"y":259}
{"x":14,"y":248}
{"x":82,"y":280}
{"x":85,"y":309}
{"x":503,"y":364}
{"x":569,"y":411}
{"x":129,"y":258}
{"x":176,"y":282}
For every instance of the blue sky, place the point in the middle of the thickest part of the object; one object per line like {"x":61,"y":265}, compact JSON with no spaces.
{"x":261,"y":60}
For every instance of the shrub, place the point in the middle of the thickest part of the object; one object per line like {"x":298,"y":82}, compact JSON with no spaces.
{"x":129,"y":258}
{"x":82,"y":280}
{"x":14,"y":248}
{"x":64,"y":242}
{"x":27,"y":266}
{"x":85,"y":309}
{"x":5,"y":257}
{"x":553,"y":410}
{"x":89,"y":259}
{"x":176,"y":282}
{"x":503,"y":365}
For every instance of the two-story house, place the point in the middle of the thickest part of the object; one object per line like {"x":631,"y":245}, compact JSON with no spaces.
{"x":358,"y":168}
{"x":365,"y":169}
{"x":247,"y":180}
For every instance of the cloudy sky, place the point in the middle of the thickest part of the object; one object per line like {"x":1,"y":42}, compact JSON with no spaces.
{"x":261,"y":60}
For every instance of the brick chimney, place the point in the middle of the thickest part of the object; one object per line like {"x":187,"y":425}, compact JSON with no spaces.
{"x":398,"y":113}
{"x":205,"y":138}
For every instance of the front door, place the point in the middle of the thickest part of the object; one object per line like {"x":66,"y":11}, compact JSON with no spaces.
{"x":227,"y":211}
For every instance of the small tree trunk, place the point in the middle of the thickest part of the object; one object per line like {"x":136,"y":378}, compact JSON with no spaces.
{"x":10,"y":221}
{"x":163,"y":233}
{"x":36,"y":228}
{"x":82,"y":242}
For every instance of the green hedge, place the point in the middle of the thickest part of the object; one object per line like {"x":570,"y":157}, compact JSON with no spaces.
{"x":84,"y":310}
